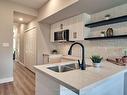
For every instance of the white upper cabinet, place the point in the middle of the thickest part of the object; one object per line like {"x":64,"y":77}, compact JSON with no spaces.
{"x":76,"y":26}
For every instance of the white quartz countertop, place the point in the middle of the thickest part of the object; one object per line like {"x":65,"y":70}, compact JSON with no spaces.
{"x":78,"y":80}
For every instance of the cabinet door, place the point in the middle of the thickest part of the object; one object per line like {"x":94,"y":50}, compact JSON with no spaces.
{"x":30,"y":49}
{"x":77,"y":28}
{"x":55,"y":58}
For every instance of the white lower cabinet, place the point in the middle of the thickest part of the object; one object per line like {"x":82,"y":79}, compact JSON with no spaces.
{"x":55,"y":58}
{"x":51,"y":58}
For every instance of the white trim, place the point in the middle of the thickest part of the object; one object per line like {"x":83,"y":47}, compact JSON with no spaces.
{"x":20,"y":62}
{"x":30,"y":29}
{"x":6,"y":80}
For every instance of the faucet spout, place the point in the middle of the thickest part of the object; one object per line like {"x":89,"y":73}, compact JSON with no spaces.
{"x":82,"y":64}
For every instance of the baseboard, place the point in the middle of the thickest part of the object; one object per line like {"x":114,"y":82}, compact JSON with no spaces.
{"x":6,"y":80}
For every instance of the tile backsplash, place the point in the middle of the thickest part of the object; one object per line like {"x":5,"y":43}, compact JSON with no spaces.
{"x":103,"y":48}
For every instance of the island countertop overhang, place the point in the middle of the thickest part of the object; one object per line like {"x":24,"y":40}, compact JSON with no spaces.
{"x":78,"y":80}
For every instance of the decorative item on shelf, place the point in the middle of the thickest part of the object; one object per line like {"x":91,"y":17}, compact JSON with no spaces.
{"x":96,"y":60}
{"x":107,"y":17}
{"x":124,"y":58}
{"x":109,"y":32}
{"x":54,"y":51}
{"x":103,"y":34}
{"x":119,"y":60}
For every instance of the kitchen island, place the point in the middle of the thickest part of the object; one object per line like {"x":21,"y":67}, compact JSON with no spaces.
{"x":106,"y":80}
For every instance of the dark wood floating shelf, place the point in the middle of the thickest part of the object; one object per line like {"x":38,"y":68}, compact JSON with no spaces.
{"x":107,"y":22}
{"x":111,"y":37}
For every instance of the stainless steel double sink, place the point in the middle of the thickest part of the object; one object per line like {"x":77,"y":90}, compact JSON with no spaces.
{"x":64,"y":68}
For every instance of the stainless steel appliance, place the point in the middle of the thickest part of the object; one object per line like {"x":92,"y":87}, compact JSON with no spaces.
{"x":61,"y":36}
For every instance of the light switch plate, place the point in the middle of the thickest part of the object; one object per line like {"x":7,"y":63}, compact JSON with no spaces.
{"x":5,"y":44}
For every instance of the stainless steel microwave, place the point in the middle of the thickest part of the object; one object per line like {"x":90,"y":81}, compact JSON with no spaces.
{"x":61,"y":36}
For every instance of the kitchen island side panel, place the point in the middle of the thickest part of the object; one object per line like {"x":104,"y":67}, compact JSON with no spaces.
{"x":114,"y":86}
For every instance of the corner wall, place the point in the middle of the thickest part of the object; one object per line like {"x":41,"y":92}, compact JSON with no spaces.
{"x":6,"y":36}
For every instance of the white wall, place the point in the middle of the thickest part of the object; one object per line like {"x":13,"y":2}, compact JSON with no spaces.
{"x":105,"y":48}
{"x":6,"y":35}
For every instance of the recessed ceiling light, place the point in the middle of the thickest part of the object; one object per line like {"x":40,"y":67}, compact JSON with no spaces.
{"x":21,"y":19}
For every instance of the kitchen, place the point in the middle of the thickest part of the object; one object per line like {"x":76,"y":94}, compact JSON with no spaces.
{"x":101,"y":29}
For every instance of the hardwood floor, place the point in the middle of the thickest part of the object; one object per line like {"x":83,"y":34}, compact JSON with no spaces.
{"x":24,"y":80}
{"x":6,"y":89}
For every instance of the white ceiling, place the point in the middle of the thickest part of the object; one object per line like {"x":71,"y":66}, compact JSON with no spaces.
{"x":93,"y":6}
{"x":87,"y":6}
{"x":30,"y":3}
{"x":26,"y":18}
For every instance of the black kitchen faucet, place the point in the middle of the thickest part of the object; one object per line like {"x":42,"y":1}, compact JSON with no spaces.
{"x":82,"y":64}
